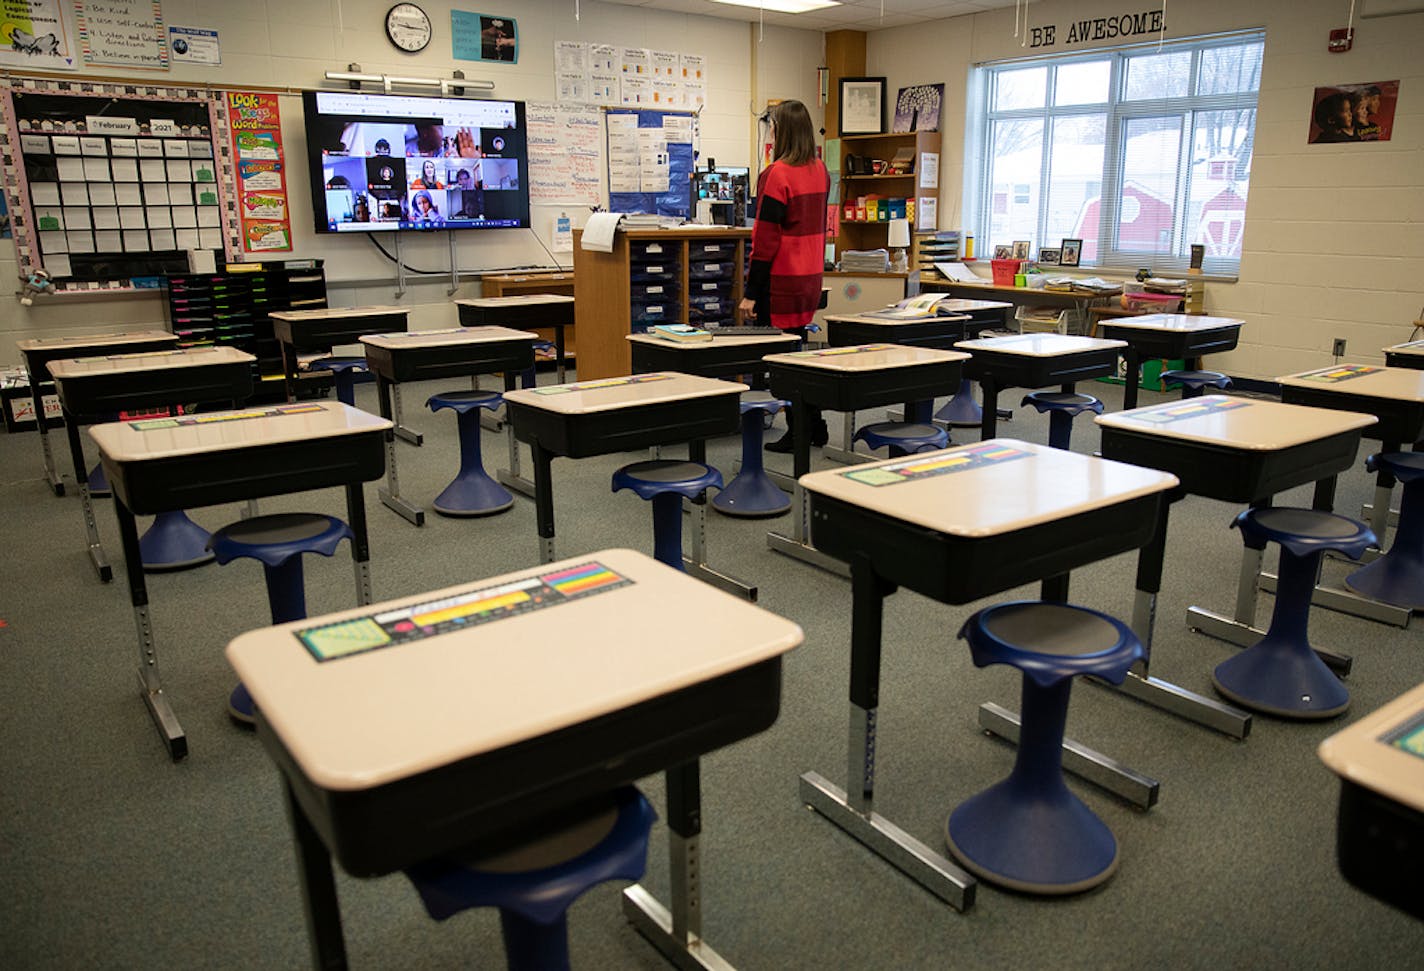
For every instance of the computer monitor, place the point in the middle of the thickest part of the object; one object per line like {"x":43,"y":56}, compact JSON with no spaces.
{"x":726,"y":187}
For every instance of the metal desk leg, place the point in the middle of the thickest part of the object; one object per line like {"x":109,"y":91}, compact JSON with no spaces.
{"x":149,"y":681}
{"x":319,"y":903}
{"x":390,"y":496}
{"x":360,"y":541}
{"x":696,"y":564}
{"x":846,"y":454}
{"x":989,"y":387}
{"x":543,"y":461}
{"x":678,"y":934}
{"x":560,"y":357}
{"x":55,"y":480}
{"x":289,"y":369}
{"x":81,"y":477}
{"x":852,"y":809}
{"x":1132,"y":360}
{"x":511,"y":478}
{"x":798,"y":544}
{"x":405,"y":434}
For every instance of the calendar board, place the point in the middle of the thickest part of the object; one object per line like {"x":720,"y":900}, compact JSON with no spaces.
{"x":113,"y":185}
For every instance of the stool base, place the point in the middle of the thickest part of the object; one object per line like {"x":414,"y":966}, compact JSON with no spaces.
{"x":752,"y":496}
{"x":174,"y":542}
{"x":1053,"y":845}
{"x":1395,"y":578}
{"x":962,"y":410}
{"x":1281,"y":680}
{"x":473,"y":496}
{"x":240,"y":706}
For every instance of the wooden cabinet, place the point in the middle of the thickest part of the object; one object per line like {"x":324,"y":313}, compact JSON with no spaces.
{"x":865,"y":233}
{"x":684,"y":276}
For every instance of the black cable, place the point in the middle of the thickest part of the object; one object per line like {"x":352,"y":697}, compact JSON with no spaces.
{"x":489,"y":269}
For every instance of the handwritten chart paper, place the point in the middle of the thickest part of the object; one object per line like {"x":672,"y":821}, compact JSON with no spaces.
{"x":130,"y":33}
{"x":565,"y":153}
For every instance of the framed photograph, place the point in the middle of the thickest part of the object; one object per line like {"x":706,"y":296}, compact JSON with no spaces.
{"x":917,"y":108}
{"x":1003,"y":252}
{"x":1021,"y":249}
{"x":1070,"y":252}
{"x":862,"y":106}
{"x":1049,"y":257}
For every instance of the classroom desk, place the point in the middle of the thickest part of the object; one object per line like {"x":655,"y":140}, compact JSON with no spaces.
{"x":326,"y":327}
{"x":201,"y":460}
{"x":1380,"y":828}
{"x":849,"y":379}
{"x":1019,"y":296}
{"x":617,"y":415}
{"x":91,"y":388}
{"x":1396,"y":397}
{"x":1407,"y":355}
{"x":465,"y":744}
{"x":38,"y":352}
{"x":420,"y":355}
{"x":1237,"y":450}
{"x":957,"y":525}
{"x":1169,"y":336}
{"x":1035,"y":361}
{"x":552,"y":311}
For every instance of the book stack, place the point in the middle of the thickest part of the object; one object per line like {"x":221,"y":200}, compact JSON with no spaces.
{"x":932,"y":248}
{"x":1094,"y":285}
{"x":865,"y":261}
{"x":1157,"y":284}
{"x":679,"y":332}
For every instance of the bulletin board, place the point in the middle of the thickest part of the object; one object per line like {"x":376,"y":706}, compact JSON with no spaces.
{"x":111,"y":185}
{"x":651,"y":155}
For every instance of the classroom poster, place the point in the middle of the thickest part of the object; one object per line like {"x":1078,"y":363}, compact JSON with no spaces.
{"x":129,"y":33}
{"x":256,"y":125}
{"x":565,"y":153}
{"x":35,"y":34}
{"x":481,"y":37}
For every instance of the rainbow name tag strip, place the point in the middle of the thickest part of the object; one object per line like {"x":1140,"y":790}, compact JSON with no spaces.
{"x":433,"y":618}
{"x":837,"y":351}
{"x":605,"y":383}
{"x":409,"y":335}
{"x":1194,"y":408}
{"x":1345,"y":372}
{"x":184,"y":353}
{"x":154,"y":424}
{"x":941,"y":463}
{"x":1409,"y":738}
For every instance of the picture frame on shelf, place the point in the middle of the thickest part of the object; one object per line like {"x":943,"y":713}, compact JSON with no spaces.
{"x":1048,"y":256}
{"x":1003,"y":251}
{"x":861,"y":104}
{"x":1022,"y":247}
{"x":1070,"y":252}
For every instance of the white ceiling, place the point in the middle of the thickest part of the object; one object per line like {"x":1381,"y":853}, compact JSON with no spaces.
{"x":850,"y":15}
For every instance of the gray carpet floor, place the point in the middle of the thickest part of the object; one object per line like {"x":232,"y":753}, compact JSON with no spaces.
{"x":113,"y":856}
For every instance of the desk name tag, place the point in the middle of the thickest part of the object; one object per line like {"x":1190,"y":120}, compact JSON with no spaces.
{"x":187,"y":352}
{"x":1194,"y":408}
{"x":435,"y":617}
{"x":598,"y":385}
{"x":1408,"y":737}
{"x":837,"y":351}
{"x":936,"y":464}
{"x":408,"y":335}
{"x":1334,"y":375}
{"x":154,"y":424}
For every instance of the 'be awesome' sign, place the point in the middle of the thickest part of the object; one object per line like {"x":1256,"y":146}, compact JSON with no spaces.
{"x":1099,"y":28}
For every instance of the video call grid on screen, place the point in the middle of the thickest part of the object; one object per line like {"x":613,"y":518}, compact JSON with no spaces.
{"x":390,"y":162}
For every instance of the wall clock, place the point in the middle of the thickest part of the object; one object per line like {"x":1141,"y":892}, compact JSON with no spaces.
{"x":408,"y":27}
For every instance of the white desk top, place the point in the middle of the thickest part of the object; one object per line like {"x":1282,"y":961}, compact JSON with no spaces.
{"x":336,"y":313}
{"x":1384,"y":751}
{"x":874,"y":317}
{"x":1241,"y":423}
{"x":95,"y":340}
{"x":516,"y":300}
{"x":82,"y":367}
{"x":1398,"y":383}
{"x":365,"y":719}
{"x":987,"y":488}
{"x":220,"y":431}
{"x":413,"y":339}
{"x":1039,"y":345}
{"x":608,"y":394}
{"x":1410,"y":349}
{"x":1184,"y":323}
{"x":718,"y":340}
{"x":866,"y":357}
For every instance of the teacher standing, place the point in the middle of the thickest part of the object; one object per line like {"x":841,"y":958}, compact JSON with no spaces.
{"x":789,"y":238}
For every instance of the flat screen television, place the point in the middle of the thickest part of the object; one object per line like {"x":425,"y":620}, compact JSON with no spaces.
{"x":382,"y":162}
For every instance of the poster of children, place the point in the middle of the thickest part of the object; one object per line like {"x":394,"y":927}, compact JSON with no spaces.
{"x":1353,"y":113}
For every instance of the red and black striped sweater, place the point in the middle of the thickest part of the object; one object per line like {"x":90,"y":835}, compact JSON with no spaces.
{"x":789,"y":243}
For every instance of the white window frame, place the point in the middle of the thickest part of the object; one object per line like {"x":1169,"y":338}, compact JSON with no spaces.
{"x":978,"y":186}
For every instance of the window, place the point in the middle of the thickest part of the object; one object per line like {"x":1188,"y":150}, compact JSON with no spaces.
{"x":1140,"y":152}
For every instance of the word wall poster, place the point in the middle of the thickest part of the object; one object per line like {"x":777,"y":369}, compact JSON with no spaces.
{"x":256,"y":125}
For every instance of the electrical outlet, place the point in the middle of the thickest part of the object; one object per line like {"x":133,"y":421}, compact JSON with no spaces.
{"x":1339,"y":347}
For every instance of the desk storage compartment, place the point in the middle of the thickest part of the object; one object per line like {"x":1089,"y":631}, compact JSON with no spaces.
{"x":1025,"y":371}
{"x":522,"y":316}
{"x":664,"y":273}
{"x":623,"y":429}
{"x":705,"y":250}
{"x":110,"y":393}
{"x":1379,"y":844}
{"x":655,"y":252}
{"x":1400,"y":421}
{"x":710,"y":270}
{"x":850,"y":391}
{"x":454,"y":360}
{"x":484,"y":803}
{"x":654,"y":313}
{"x":939,"y":334}
{"x":653,"y":292}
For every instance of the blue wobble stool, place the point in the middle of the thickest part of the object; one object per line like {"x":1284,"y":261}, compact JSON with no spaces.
{"x":1280,"y":674}
{"x":530,"y":377}
{"x":1193,"y":383}
{"x":1398,"y":576}
{"x":278,"y":542}
{"x":472,"y":492}
{"x":902,"y":437}
{"x":962,"y":409}
{"x":99,"y":482}
{"x":173,"y":542}
{"x":1028,"y":832}
{"x":1062,"y":408}
{"x":667,"y":482}
{"x":535,"y":882}
{"x":751,"y":492}
{"x":343,"y":371}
